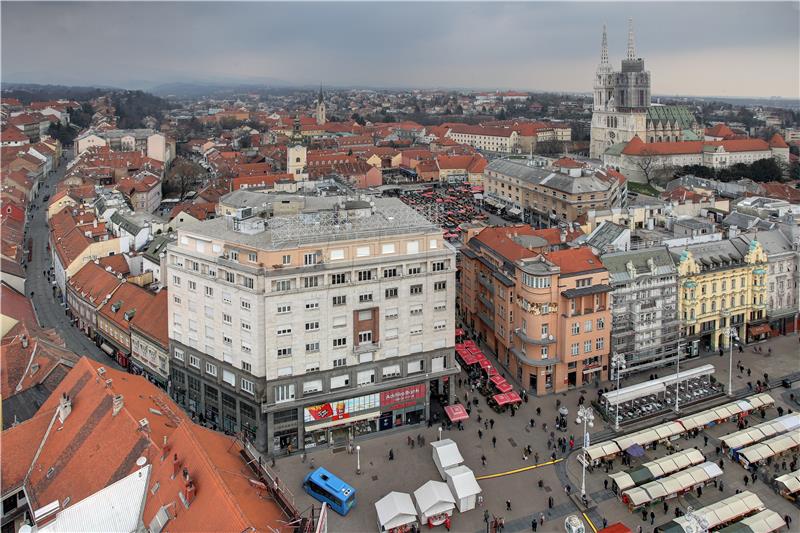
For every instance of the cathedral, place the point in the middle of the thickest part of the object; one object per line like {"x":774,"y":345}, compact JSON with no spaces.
{"x":622,"y":107}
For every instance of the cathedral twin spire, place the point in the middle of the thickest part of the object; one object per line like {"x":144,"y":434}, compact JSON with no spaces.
{"x":604,"y":47}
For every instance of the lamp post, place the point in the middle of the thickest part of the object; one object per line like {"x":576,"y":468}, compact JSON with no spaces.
{"x":618,"y":364}
{"x":677,"y":380}
{"x":440,"y":432}
{"x":732,"y":334}
{"x":696,"y":522}
{"x":586,"y":417}
{"x":358,"y":459}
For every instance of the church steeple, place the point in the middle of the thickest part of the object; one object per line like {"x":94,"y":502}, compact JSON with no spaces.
{"x":631,"y":43}
{"x":321,"y":112}
{"x":604,"y":65}
{"x":319,"y":97}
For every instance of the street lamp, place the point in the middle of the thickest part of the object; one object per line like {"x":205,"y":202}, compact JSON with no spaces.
{"x":696,"y":523}
{"x":440,"y":432}
{"x":677,"y":380}
{"x":618,"y":364}
{"x":585,"y":417}
{"x":358,"y":459}
{"x":733,"y":335}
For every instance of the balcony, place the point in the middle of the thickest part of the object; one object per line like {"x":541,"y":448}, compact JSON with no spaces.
{"x":547,"y":339}
{"x":366,"y":347}
{"x":486,"y":320}
{"x":487,"y":283}
{"x":485,"y":301}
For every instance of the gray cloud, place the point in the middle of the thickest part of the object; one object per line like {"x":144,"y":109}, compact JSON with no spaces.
{"x":744,"y":48}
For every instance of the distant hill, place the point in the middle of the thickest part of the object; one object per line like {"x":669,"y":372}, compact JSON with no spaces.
{"x":196,"y":89}
{"x":28,"y":92}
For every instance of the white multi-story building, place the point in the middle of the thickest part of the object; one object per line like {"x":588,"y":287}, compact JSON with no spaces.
{"x":312,"y":328}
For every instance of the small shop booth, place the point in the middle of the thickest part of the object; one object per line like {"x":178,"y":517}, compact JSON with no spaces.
{"x":446,"y":455}
{"x":396,"y":513}
{"x":435,"y":503}
{"x":462,"y":483}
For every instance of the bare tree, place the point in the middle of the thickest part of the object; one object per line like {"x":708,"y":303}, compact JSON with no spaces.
{"x":183,"y":176}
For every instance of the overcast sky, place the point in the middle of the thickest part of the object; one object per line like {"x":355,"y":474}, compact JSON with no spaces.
{"x":724,"y":49}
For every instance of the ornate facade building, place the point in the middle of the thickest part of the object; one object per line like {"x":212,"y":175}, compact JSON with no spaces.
{"x":622,"y":107}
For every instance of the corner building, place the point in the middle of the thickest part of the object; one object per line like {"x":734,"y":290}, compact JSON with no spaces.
{"x":314,"y":328}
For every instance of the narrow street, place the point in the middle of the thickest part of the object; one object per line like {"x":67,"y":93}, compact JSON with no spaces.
{"x":50,"y":312}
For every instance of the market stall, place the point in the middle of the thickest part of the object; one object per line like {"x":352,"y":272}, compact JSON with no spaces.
{"x":766,"y":521}
{"x":396,"y":513}
{"x":671,"y":486}
{"x":789,"y":485}
{"x":434,"y":503}
{"x":656,"y":469}
{"x":446,"y":455}
{"x":717,"y":514}
{"x":464,"y":487}
{"x":456,"y":412}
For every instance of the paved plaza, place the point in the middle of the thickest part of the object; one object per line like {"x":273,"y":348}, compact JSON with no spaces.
{"x":413,"y":467}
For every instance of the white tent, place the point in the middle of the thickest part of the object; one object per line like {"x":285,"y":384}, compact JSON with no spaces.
{"x":434,"y":502}
{"x":446,"y":455}
{"x":394,"y":510}
{"x":464,"y":487}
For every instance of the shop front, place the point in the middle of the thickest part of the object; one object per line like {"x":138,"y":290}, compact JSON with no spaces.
{"x":338,"y":423}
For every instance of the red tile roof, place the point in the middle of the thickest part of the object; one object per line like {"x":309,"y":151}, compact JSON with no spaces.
{"x":128,"y":299}
{"x":720,"y":130}
{"x":568,"y":162}
{"x":777,"y":142}
{"x":152,"y":320}
{"x":12,"y":134}
{"x":93,"y":282}
{"x":575,"y":260}
{"x":553,"y":235}
{"x":17,"y":306}
{"x":638,"y":147}
{"x":500,"y":239}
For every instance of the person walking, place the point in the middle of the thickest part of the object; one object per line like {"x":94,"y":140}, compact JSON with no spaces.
{"x":483,"y":460}
{"x":705,"y":440}
{"x":508,"y":505}
{"x":666,"y":507}
{"x":550,"y":502}
{"x":534,"y":524}
{"x":494,"y":441}
{"x":605,"y":484}
{"x":746,"y":480}
{"x":541,"y":519}
{"x":652,"y":517}
{"x":480,"y":434}
{"x":491,"y":423}
{"x":391,"y":454}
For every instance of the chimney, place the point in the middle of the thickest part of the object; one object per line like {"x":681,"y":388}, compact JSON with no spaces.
{"x":64,"y":407}
{"x":117,"y":405}
{"x":176,"y":466}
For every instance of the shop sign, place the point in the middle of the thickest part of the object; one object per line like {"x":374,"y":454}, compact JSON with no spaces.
{"x":402,"y":397}
{"x":341,"y":409}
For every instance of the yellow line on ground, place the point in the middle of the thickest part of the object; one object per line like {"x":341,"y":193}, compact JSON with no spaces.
{"x":518,"y":470}
{"x":591,"y":524}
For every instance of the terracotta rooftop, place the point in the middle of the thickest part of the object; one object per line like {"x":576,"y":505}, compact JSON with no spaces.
{"x":93,"y":282}
{"x":152,"y":320}
{"x":127,"y":301}
{"x":575,"y":260}
{"x":638,"y":147}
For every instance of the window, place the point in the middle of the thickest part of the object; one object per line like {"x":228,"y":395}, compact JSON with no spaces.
{"x":600,"y":343}
{"x":391,"y":371}
{"x":391,"y":293}
{"x":178,"y":354}
{"x":439,"y":325}
{"x":414,"y":270}
{"x":286,"y":260}
{"x":284,"y":330}
{"x":339,"y":321}
{"x":312,"y":367}
{"x":412,"y":247}
{"x":416,"y":289}
{"x":439,"y":306}
{"x":338,"y":279}
{"x":312,"y":347}
{"x":415,"y":310}
{"x":362,"y":251}
{"x":391,"y":333}
{"x":416,"y":366}
{"x":364,"y":275}
{"x":415,"y":330}
{"x":575,"y":348}
{"x":209,"y":291}
{"x":283,"y":393}
{"x":227,"y":339}
{"x":601,"y":323}
{"x":194,"y":361}
{"x":310,"y":387}
{"x":233,"y":255}
{"x":245,"y":304}
{"x":176,"y":281}
{"x":587,"y":326}
{"x":437,"y":266}
{"x":391,"y":314}
{"x":544,"y":352}
{"x":341,"y":341}
{"x":247,"y":367}
{"x":388,"y":248}
{"x":576,"y":328}
{"x":364,"y":337}
{"x":365,"y":377}
{"x":390,"y":272}
{"x":284,"y":352}
{"x":585,"y":282}
{"x":309,"y":282}
{"x":545,"y":330}
{"x":229,"y":277}
{"x":337,"y":255}
{"x":310,"y":259}
{"x":176,"y":299}
{"x":440,"y":285}
{"x":337,"y":382}
{"x":587,"y":346}
{"x":339,"y":300}
{"x":252,"y":257}
{"x":339,"y":362}
{"x":248,"y":386}
{"x":226,"y":297}
{"x":282,"y":285}
{"x":284,"y":308}
{"x":246,"y":325}
{"x":310,"y":306}
{"x":364,"y":298}
{"x":535,"y":282}
{"x":312,"y":326}
{"x":248,"y":282}
{"x":246,"y":347}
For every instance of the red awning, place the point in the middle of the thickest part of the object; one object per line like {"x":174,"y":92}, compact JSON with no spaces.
{"x":456,"y":412}
{"x":501,"y":383}
{"x":468,"y":358}
{"x":469,"y":343}
{"x":475,"y":350}
{"x":485,"y":364}
{"x":759,"y":329}
{"x":507,"y":398}
{"x":459,"y":345}
{"x":459,"y":332}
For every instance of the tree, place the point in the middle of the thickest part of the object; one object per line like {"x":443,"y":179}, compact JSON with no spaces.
{"x":183,"y":176}
{"x":651,"y":167}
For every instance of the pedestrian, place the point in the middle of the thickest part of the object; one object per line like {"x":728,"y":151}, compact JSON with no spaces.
{"x":541,"y":519}
{"x":652,"y":517}
{"x":550,"y":502}
{"x":699,"y":491}
{"x":491,"y":423}
{"x":391,"y":454}
{"x":532,"y":422}
{"x":605,"y":484}
{"x":494,"y":441}
{"x":605,"y":522}
{"x":534,"y":524}
{"x":748,"y":372}
{"x":644,"y":517}
{"x":536,"y":457}
{"x":788,"y":520}
{"x":567,"y":489}
{"x":508,"y":505}
{"x":538,"y":409}
{"x":639,"y":529}
{"x":483,"y":460}
{"x":666,"y":507}
{"x":720,"y":485}
{"x":480,"y":434}
{"x":721,"y":465}
{"x":705,"y":440}
{"x":541,"y":484}
{"x":746,"y":480}
{"x":486,"y":515}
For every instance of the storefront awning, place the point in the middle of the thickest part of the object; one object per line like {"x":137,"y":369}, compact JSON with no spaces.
{"x":456,"y":412}
{"x":759,"y":329}
{"x":468,"y":358}
{"x":507,"y":398}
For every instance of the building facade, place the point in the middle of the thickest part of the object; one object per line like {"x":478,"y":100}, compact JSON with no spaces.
{"x":722,"y":287}
{"x":312,"y":329}
{"x":783,"y":279}
{"x":644,"y":308}
{"x":544,"y":197}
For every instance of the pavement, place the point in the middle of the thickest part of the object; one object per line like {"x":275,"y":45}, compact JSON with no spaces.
{"x":50,"y":312}
{"x":508,"y":476}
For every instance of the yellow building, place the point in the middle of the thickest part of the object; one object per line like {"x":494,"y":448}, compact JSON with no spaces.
{"x":722,"y":285}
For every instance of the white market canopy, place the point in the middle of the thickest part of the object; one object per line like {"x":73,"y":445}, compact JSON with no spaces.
{"x":766,"y":521}
{"x":790,"y":482}
{"x":673,"y":484}
{"x":446,"y":453}
{"x":762,"y":431}
{"x":655,"y":386}
{"x":434,"y":497}
{"x":726,"y":510}
{"x":394,"y":510}
{"x":462,"y":482}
